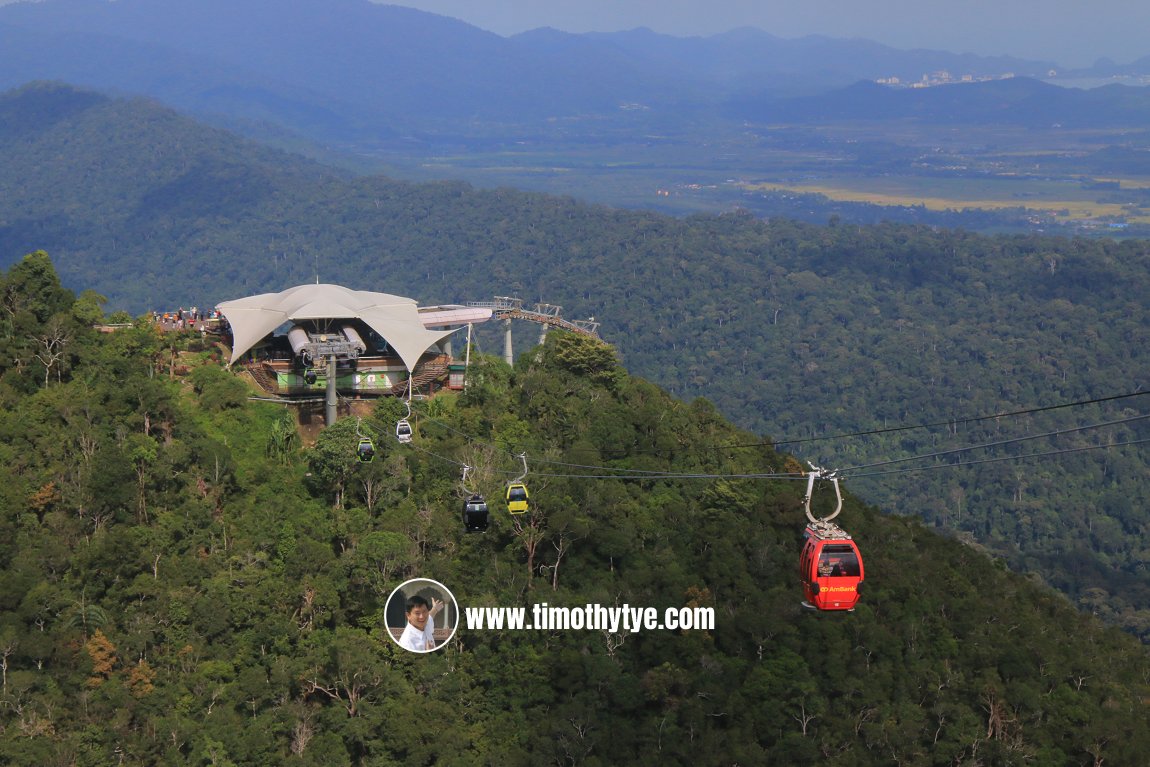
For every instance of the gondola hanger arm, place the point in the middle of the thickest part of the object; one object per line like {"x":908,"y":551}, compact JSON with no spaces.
{"x":817,"y":472}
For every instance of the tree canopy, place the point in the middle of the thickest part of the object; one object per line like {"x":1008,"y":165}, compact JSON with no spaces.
{"x":185,"y":584}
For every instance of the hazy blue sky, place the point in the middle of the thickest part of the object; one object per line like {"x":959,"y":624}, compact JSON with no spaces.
{"x":1068,"y":32}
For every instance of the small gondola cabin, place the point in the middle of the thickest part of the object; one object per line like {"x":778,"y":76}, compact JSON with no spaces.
{"x":403,"y":431}
{"x":365,"y":451}
{"x":517,"y":498}
{"x":475,"y":514}
{"x":830,"y":567}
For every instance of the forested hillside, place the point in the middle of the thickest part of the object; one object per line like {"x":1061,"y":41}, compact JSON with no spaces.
{"x":185,"y":583}
{"x":793,"y":331}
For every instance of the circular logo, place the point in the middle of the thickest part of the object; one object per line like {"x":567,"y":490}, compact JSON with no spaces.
{"x":421,"y":615}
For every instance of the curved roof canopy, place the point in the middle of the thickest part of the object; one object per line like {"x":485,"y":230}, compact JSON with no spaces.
{"x":395,"y":318}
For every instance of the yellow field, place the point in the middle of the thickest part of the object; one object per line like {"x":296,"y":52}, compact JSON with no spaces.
{"x":1061,"y":198}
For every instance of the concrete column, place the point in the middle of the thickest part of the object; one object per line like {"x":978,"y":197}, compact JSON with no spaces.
{"x":508,"y":356}
{"x":331,"y":412}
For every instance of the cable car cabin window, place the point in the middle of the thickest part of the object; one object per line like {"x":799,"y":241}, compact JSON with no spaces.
{"x":837,"y":560}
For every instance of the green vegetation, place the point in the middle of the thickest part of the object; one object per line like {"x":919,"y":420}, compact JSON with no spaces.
{"x":793,"y":331}
{"x":1063,"y":200}
{"x":184,"y":584}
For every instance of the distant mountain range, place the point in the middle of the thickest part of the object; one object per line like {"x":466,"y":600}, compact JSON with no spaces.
{"x":354,"y":71}
{"x":632,"y":119}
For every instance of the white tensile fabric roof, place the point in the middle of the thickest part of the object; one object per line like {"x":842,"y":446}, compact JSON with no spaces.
{"x":393,"y":317}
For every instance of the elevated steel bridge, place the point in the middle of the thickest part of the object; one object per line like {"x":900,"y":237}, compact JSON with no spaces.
{"x":507,"y":308}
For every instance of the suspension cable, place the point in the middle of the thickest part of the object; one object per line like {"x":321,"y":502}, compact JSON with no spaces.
{"x":909,"y":469}
{"x":649,"y":474}
{"x":997,"y":444}
{"x":949,"y":422}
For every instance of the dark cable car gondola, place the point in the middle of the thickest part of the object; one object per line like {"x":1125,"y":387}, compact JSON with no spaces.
{"x":830,"y":567}
{"x":475,"y":514}
{"x":474,"y":508}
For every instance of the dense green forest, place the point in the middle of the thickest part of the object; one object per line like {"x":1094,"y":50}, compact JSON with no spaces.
{"x":793,"y":331}
{"x":184,"y":582}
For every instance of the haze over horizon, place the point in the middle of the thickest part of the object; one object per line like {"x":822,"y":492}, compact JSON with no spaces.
{"x":1061,"y":31}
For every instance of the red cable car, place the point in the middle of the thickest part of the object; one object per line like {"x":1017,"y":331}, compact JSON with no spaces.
{"x":830,"y":566}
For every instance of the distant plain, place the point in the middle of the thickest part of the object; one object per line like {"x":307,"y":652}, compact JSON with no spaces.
{"x":1054,"y":174}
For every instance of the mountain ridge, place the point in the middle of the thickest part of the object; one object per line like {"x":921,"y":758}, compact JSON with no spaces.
{"x":391,"y":67}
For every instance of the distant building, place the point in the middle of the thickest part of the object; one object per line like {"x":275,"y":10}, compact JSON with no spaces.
{"x":381,"y":343}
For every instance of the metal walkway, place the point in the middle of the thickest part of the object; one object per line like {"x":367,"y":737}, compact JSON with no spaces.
{"x":507,"y":308}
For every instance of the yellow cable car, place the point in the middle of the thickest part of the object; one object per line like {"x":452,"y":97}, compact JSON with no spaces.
{"x":517,"y":498}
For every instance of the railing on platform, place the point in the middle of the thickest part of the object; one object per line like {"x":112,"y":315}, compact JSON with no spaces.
{"x":509,"y":308}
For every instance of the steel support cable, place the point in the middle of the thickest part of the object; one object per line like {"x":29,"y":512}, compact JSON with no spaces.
{"x":948,"y":422}
{"x":999,"y":443}
{"x":643,"y":474}
{"x":635,"y":473}
{"x":673,"y":476}
{"x":631,"y":473}
{"x":793,"y":476}
{"x":478,"y":441}
{"x":436,"y":455}
{"x":640,"y":474}
{"x":1000,"y":459}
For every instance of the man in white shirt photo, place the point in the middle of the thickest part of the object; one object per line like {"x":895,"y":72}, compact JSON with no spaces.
{"x":419,"y":636}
